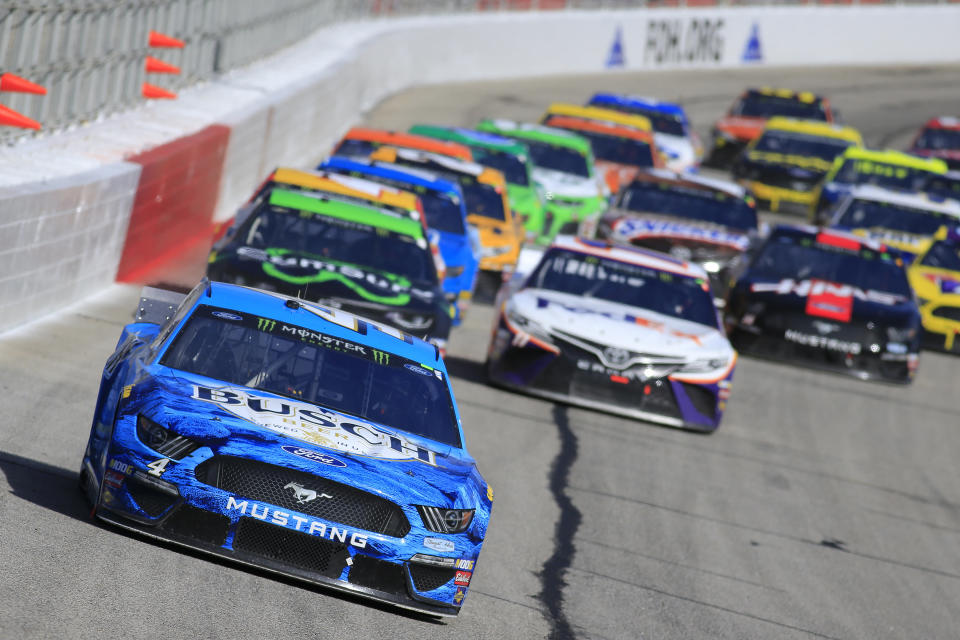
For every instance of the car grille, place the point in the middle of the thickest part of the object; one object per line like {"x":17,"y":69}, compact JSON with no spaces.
{"x":381,"y":575}
{"x":153,"y":502}
{"x":199,"y":524}
{"x":292,"y":548}
{"x":429,"y":578}
{"x":950,"y":313}
{"x":702,"y":399}
{"x":271,"y":484}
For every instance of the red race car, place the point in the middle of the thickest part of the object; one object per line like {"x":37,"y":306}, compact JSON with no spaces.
{"x":939,"y":138}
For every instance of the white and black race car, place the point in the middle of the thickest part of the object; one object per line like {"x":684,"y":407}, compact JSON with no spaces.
{"x":619,"y":329}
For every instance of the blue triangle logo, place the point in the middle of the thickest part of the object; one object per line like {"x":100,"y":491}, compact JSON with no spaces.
{"x":753,"y":51}
{"x":616,"y":58}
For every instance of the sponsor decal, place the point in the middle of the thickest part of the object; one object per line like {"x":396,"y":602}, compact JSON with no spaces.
{"x":822,"y":342}
{"x":825,"y":327}
{"x":224,"y":315}
{"x":314,"y":337}
{"x":266,"y":324}
{"x":897,"y":347}
{"x":543,"y":303}
{"x":315,"y":425}
{"x":314,"y":456}
{"x":616,"y":58}
{"x":157,"y":467}
{"x":304,"y":495}
{"x":627,"y":374}
{"x":459,"y":595}
{"x":826,"y":302}
{"x":466,"y":565}
{"x":298,"y":523}
{"x":634,"y":228}
{"x":945,"y":283}
{"x":489,"y":493}
{"x":127,"y":390}
{"x":680,"y":41}
{"x":753,"y":51}
{"x":416,"y":369}
{"x":381,"y":357}
{"x":462,"y":578}
{"x":113,"y":478}
{"x":121,"y":467}
{"x":438,"y":544}
{"x":804,"y":288}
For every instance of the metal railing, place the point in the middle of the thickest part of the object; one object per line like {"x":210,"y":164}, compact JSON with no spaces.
{"x":90,"y":54}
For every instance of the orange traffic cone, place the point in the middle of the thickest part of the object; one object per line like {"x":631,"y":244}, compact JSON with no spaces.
{"x":10,"y":82}
{"x":10,"y":118}
{"x":154,"y":65}
{"x":162,"y":41}
{"x":152,"y":91}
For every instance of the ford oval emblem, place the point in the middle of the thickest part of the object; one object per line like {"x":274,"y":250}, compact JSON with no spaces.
{"x":315,"y":456}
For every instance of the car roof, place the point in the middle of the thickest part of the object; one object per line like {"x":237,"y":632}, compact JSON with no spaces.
{"x":310,"y":315}
{"x":891,"y":156}
{"x":705,"y":182}
{"x":537,"y":132}
{"x":631,"y":255}
{"x":346,"y":211}
{"x":471,"y":138}
{"x":598,"y":114}
{"x":416,"y":177}
{"x":906,"y":199}
{"x":814,"y":128}
{"x":409,"y":140}
{"x":455,"y":165}
{"x":359,"y":188}
{"x":640,"y":102}
{"x":944,"y":122}
{"x":598,"y":126}
{"x":831,"y":236}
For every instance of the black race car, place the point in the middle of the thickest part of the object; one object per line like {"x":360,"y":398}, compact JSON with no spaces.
{"x":710,"y":222}
{"x":827,"y":299}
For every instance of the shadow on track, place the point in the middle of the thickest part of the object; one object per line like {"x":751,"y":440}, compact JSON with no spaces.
{"x":466,"y":369}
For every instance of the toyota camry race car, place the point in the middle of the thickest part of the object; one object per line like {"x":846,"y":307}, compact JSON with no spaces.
{"x":827,"y":299}
{"x":707,"y":221}
{"x":291,"y":437}
{"x":618,"y":329}
{"x":935,"y":278}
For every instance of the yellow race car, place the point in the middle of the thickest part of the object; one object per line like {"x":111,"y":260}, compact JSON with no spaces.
{"x":935,"y":278}
{"x":783,"y":167}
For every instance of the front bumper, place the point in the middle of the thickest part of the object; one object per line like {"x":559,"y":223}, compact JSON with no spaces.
{"x":939,"y":333}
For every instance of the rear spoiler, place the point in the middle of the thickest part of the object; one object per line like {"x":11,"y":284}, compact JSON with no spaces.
{"x":157,"y":305}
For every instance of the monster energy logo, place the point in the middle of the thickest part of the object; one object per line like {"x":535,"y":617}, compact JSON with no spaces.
{"x":264,"y":324}
{"x":381,"y":357}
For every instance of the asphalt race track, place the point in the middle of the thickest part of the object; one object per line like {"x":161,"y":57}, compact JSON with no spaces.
{"x":824,"y":507}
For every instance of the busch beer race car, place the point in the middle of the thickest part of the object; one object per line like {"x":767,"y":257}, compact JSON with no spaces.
{"x":828,"y":299}
{"x":710,"y":222}
{"x":292,"y":437}
{"x":623,"y":330}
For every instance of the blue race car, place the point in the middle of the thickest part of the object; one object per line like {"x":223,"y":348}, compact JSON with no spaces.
{"x":446,"y":214}
{"x":291,"y":437}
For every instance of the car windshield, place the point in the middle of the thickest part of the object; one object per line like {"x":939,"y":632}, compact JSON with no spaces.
{"x":556,"y":158}
{"x":632,"y":285}
{"x":869,"y":214}
{"x":661,"y":122}
{"x":881,"y":174}
{"x":938,"y":140}
{"x":280,"y":231}
{"x":309,"y":366}
{"x":514,"y":169}
{"x":787,"y":256}
{"x":352,"y":148}
{"x":761,"y":106}
{"x":943,"y":255}
{"x":634,"y":153}
{"x":482,"y":199}
{"x":798,"y":144}
{"x":708,"y":205}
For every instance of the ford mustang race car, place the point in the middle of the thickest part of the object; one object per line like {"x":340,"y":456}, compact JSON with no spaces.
{"x":338,"y":254}
{"x":675,"y":138}
{"x":291,"y":437}
{"x":750,"y":112}
{"x":906,"y":221}
{"x":888,"y":169}
{"x":710,"y":222}
{"x":935,"y":278}
{"x":939,"y":138}
{"x":618,"y":329}
{"x":827,"y":299}
{"x":783,"y":166}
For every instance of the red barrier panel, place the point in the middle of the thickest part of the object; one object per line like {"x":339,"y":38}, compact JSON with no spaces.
{"x":172,"y":213}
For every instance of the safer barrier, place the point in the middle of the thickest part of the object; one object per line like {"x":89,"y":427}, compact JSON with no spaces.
{"x":290,"y":108}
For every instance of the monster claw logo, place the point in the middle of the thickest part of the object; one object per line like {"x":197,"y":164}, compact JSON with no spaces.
{"x":381,"y":357}
{"x":265,"y":324}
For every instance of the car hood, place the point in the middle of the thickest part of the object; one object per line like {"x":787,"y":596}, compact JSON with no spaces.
{"x":619,"y":325}
{"x":566,"y":185}
{"x":740,"y":127}
{"x":233,"y":420}
{"x":831,"y":301}
{"x":800,"y":167}
{"x":336,"y":279}
{"x":630,"y":225}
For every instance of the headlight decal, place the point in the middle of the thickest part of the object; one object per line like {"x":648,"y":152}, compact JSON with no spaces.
{"x":443,"y":520}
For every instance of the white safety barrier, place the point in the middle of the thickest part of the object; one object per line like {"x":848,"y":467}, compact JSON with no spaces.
{"x":289,"y":109}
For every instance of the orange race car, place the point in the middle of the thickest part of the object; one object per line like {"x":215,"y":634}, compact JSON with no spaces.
{"x":360,"y":142}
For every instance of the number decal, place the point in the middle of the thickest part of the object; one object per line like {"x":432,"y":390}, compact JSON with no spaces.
{"x":157,"y":467}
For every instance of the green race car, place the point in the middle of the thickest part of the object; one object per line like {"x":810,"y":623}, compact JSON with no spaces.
{"x":564,"y":173}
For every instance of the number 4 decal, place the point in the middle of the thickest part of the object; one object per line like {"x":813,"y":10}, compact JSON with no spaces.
{"x":157,"y":467}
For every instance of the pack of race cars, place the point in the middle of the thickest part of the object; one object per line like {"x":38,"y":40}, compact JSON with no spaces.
{"x":293,"y":411}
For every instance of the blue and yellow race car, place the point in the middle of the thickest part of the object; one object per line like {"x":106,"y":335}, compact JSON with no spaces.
{"x":935,"y":278}
{"x":292,"y":437}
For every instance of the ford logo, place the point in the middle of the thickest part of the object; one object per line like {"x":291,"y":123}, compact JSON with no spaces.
{"x":227,"y":316}
{"x":314,"y":456}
